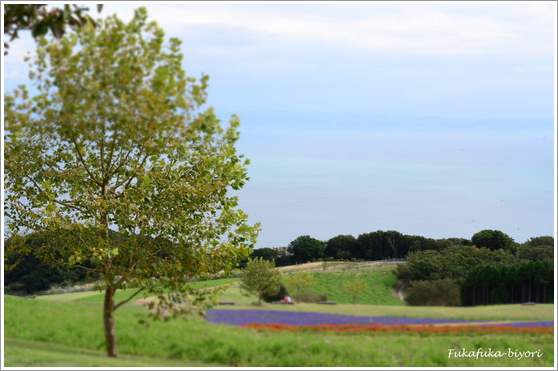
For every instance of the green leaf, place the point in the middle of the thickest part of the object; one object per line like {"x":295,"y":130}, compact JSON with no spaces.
{"x":39,"y":29}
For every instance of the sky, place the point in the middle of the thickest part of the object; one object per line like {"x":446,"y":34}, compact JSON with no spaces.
{"x":435,"y":119}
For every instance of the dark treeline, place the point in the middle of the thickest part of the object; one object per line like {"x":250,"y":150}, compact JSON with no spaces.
{"x":490,"y":268}
{"x":433,"y":274}
{"x":378,"y":245}
{"x":531,"y":281}
{"x":501,"y":272}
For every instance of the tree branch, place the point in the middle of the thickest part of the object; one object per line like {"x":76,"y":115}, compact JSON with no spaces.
{"x":130,"y":298}
{"x":83,"y":163}
{"x":69,"y":205}
{"x":86,"y":268}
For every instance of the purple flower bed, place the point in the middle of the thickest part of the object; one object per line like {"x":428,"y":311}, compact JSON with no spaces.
{"x":246,"y":317}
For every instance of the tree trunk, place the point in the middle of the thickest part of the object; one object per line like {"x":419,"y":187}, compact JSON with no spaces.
{"x":108,"y":318}
{"x":474,"y":294}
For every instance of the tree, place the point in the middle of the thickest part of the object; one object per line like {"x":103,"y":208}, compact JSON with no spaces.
{"x":541,"y":241}
{"x":492,"y":239}
{"x":116,"y":139}
{"x":39,"y":20}
{"x":283,"y":256}
{"x":31,"y":274}
{"x":535,"y":253}
{"x":260,"y":277}
{"x":354,"y":288}
{"x":305,"y":249}
{"x":266,"y":253}
{"x":297,"y":282}
{"x":278,"y":296}
{"x":340,"y":247}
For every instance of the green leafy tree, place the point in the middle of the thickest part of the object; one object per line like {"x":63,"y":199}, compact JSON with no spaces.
{"x":298,"y":282}
{"x":266,"y":253}
{"x":354,"y":288}
{"x":39,"y":19}
{"x":278,"y":296}
{"x":340,"y":247}
{"x":305,"y":248}
{"x":493,"y":240}
{"x":283,"y":256}
{"x":537,"y":249}
{"x":116,"y":140}
{"x":541,"y":241}
{"x":535,"y":253}
{"x":260,"y":277}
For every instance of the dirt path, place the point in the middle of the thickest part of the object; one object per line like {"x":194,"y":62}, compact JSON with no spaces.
{"x":400,"y":293}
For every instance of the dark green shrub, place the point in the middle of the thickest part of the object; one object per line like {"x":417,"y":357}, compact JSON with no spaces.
{"x":280,"y":295}
{"x":444,"y":292}
{"x":307,"y":296}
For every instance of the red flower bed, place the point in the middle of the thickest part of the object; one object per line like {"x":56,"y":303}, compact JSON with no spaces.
{"x":432,"y":329}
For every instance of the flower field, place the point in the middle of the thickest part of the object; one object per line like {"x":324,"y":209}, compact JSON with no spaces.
{"x":327,"y":322}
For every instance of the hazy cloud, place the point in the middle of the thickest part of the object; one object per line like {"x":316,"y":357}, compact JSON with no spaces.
{"x":393,"y":28}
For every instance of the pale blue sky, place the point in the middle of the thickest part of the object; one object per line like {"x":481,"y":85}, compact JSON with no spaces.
{"x":430,"y":119}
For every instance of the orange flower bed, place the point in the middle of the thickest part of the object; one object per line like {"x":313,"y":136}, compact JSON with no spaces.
{"x":431,"y":329}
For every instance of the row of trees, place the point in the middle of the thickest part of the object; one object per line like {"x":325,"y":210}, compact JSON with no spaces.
{"x":468,"y":275}
{"x":381,"y":245}
{"x":509,"y":284}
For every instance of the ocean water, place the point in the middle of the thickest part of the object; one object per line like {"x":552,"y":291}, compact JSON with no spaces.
{"x":433,"y":178}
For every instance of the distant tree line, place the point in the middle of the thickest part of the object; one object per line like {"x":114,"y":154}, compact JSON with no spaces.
{"x":436,"y":265}
{"x":502,"y":272}
{"x":437,"y":270}
{"x":380,"y":245}
{"x":530,"y":281}
{"x":376,"y":245}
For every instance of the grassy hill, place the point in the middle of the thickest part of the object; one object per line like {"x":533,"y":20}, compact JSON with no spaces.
{"x":379,"y":290}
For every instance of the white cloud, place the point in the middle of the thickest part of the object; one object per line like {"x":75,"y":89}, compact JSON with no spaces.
{"x":395,"y":28}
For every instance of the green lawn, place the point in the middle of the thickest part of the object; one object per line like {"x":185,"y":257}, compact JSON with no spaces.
{"x":98,"y":297}
{"x":66,"y":331}
{"x":379,"y":289}
{"x":29,"y":353}
{"x":43,"y":333}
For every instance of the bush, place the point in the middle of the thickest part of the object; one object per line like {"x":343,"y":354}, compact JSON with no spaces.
{"x":276,"y":297}
{"x":307,"y":296}
{"x":444,"y":292}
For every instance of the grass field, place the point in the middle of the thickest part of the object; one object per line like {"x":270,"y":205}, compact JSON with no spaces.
{"x":379,"y":290}
{"x":66,"y":331}
{"x":29,"y":353}
{"x":43,"y":333}
{"x":98,"y":297}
